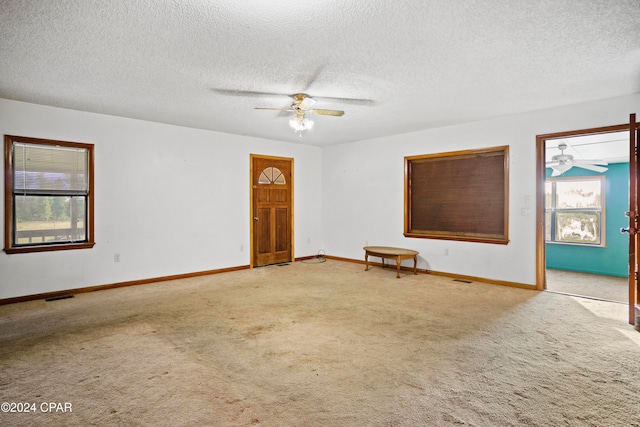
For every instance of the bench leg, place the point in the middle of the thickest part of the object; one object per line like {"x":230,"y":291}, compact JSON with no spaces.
{"x":366,"y":261}
{"x":398,"y":268}
{"x":415,"y":264}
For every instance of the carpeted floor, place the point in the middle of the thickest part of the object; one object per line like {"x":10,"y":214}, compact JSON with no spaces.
{"x":598,"y":286}
{"x":324,"y":344}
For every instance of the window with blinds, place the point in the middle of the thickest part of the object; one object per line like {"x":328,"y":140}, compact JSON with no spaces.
{"x":461,"y":195}
{"x":49,"y":200}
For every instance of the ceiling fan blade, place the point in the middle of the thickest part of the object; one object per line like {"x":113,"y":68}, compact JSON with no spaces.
{"x":354,"y":101}
{"x":590,"y":167}
{"x":306,"y":102}
{"x":552,"y":164}
{"x":559,"y":168}
{"x":590,"y":162}
{"x":255,"y":93}
{"x":277,"y":109}
{"x":556,"y":172}
{"x":245,"y":93}
{"x":336,"y":113}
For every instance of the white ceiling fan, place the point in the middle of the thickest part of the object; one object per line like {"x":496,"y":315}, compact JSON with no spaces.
{"x":560,"y":163}
{"x":301,"y":106}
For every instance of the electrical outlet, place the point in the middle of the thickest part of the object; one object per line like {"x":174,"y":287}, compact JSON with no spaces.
{"x":116,"y":257}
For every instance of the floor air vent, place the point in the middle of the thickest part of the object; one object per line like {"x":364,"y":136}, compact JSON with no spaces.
{"x":462,"y":280}
{"x":58,"y":298}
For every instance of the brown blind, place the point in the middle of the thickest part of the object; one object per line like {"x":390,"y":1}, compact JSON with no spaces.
{"x":458,"y":195}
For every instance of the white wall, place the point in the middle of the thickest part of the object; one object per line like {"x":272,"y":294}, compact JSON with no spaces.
{"x":363,"y":188}
{"x":169,"y":200}
{"x":175,"y":200}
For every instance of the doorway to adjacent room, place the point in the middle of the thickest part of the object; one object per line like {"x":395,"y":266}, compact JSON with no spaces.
{"x":584,"y":182}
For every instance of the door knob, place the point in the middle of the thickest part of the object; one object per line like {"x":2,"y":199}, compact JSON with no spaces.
{"x":624,"y":230}
{"x":255,"y":218}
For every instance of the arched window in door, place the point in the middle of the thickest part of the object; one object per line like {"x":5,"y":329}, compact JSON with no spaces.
{"x":272,"y":175}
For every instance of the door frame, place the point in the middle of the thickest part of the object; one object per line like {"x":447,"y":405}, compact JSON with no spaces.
{"x":634,"y":215}
{"x":541,"y":140}
{"x":251,"y":207}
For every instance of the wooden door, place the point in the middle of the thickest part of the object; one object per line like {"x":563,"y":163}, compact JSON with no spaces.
{"x":634,"y":289}
{"x":271,"y":209}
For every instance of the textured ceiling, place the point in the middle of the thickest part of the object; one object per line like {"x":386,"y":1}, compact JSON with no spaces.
{"x":610,"y":147}
{"x":392,"y":66}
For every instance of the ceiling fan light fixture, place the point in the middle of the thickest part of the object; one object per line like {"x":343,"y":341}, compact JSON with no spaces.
{"x":300,"y":123}
{"x":300,"y":106}
{"x":561,"y":168}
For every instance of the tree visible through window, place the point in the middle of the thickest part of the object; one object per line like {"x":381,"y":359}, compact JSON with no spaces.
{"x":574,"y":210}
{"x":48,"y":195}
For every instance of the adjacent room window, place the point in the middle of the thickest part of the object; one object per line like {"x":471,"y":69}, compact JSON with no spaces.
{"x":48,"y":195}
{"x":574,"y":208}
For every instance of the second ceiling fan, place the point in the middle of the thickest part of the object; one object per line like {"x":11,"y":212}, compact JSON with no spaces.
{"x":560,"y":163}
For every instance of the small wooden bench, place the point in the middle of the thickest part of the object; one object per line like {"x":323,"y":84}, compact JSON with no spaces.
{"x":388,"y":252}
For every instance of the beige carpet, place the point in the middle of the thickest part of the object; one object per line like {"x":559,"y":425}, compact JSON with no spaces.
{"x":599,"y":286}
{"x":324,"y":344}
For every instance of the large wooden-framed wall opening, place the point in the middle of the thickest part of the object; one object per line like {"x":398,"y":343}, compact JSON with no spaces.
{"x":541,"y":141}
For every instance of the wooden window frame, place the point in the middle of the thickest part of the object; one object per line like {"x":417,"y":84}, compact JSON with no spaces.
{"x":9,"y":217}
{"x":454,"y":232}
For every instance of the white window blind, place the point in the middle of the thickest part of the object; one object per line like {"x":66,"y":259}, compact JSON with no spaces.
{"x":40,"y":169}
